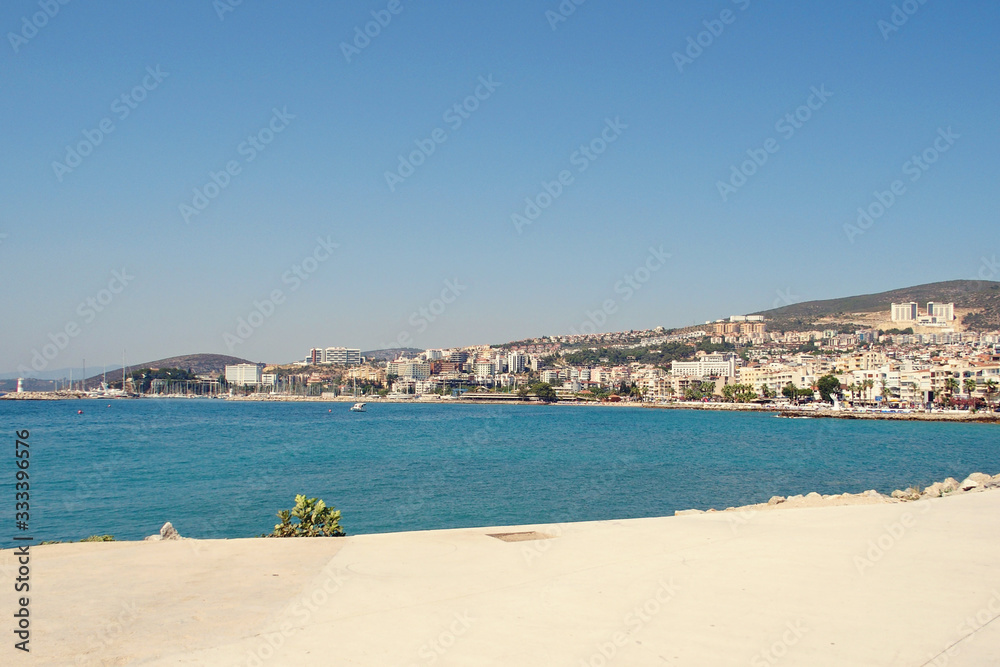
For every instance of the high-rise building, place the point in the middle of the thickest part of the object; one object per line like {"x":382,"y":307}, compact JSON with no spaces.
{"x":516,"y":362}
{"x":243,"y":374}
{"x":342,"y":356}
{"x":904,"y":312}
{"x":942,"y":311}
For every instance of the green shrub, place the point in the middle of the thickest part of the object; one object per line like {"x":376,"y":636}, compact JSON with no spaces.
{"x":315,"y":519}
{"x":99,"y":538}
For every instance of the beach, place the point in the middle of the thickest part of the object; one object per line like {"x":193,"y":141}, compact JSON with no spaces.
{"x":891,"y":583}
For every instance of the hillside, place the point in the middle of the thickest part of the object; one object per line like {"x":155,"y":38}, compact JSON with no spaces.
{"x":982,"y":296}
{"x":390,"y":354}
{"x":199,"y":364}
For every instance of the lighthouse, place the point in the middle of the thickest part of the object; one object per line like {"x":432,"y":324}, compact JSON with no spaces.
{"x":20,"y":385}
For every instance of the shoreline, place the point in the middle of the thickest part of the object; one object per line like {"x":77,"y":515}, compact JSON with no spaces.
{"x":976,"y":482}
{"x":777,"y":410}
{"x":825,"y":585}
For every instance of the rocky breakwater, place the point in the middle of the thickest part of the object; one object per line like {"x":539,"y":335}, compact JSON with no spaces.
{"x":974,"y":483}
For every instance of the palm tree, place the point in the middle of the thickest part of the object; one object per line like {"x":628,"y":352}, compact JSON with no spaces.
{"x":970,"y":386}
{"x":951,"y":386}
{"x":869,"y":384}
{"x":991,"y":388}
{"x":885,"y":389}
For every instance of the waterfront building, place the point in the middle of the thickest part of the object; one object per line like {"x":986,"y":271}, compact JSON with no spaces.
{"x":243,"y":374}
{"x":709,"y":365}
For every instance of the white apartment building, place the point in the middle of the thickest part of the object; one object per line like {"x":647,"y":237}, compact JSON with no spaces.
{"x":243,"y":374}
{"x":719,"y":364}
{"x":941,"y":311}
{"x":904,"y":312}
{"x":342,"y":356}
{"x":552,"y":377}
{"x":483,"y":368}
{"x":517,"y":362}
{"x":409,"y":369}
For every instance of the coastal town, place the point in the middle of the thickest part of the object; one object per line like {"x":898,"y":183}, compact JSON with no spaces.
{"x":918,"y":358}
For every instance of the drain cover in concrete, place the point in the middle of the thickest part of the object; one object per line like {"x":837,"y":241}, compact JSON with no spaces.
{"x":520,"y":537}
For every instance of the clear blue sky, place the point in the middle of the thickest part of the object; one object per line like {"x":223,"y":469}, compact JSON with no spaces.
{"x":323,"y":174}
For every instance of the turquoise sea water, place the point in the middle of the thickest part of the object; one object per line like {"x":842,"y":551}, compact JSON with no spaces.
{"x":222,"y":469}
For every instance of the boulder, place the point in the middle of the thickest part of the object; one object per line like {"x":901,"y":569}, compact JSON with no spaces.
{"x":871,"y":493}
{"x":948,"y":485}
{"x":968,"y":484}
{"x":776,"y":500}
{"x":814,"y":496}
{"x":168,"y":532}
{"x":934,"y":490}
{"x":687,"y":512}
{"x":908,"y":494}
{"x":979,"y":477}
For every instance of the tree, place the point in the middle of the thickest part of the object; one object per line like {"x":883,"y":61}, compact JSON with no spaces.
{"x":991,"y":389}
{"x":951,"y":386}
{"x":969,"y":384}
{"x":315,"y":519}
{"x":868,"y":384}
{"x":827,"y":386}
{"x":885,"y":389}
{"x":745,"y":393}
{"x":766,"y":392}
{"x":729,"y":393}
{"x":790,"y":391}
{"x":544,"y":391}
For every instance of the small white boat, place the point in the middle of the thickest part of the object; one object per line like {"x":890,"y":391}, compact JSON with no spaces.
{"x":358,"y":407}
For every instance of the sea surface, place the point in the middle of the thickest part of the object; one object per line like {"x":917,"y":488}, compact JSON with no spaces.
{"x":223,"y":469}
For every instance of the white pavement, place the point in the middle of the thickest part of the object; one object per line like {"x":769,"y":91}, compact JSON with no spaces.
{"x":907,"y":584}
